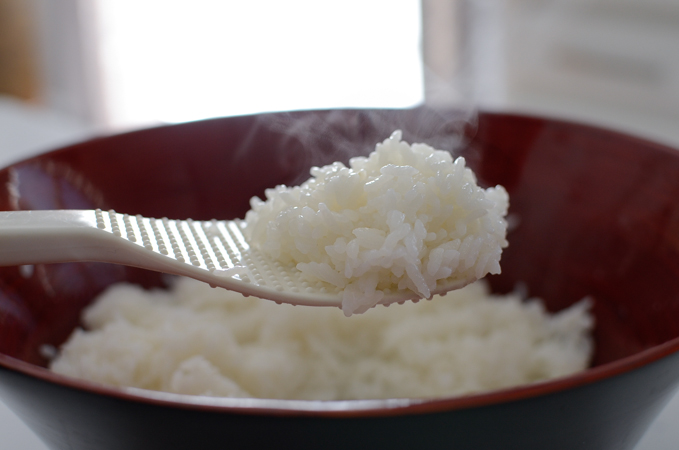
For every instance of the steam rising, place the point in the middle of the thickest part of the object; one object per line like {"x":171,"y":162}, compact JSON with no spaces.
{"x":307,"y":140}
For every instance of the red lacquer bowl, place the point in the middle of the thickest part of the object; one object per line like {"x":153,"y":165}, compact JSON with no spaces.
{"x":596,"y":212}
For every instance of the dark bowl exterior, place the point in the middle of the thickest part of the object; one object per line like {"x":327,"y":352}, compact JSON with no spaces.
{"x":608,"y":414}
{"x":595,"y":214}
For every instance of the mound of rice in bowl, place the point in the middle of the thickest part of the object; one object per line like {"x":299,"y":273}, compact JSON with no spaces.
{"x":403,"y":218}
{"x":193,"y":339}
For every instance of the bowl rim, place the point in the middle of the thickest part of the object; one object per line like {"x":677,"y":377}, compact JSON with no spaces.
{"x":354,"y":408}
{"x":346,"y":408}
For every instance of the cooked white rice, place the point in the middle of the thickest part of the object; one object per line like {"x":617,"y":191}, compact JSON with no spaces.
{"x":196,"y":340}
{"x":405,"y":217}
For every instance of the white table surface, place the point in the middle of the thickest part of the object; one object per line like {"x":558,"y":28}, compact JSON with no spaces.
{"x":25,"y":131}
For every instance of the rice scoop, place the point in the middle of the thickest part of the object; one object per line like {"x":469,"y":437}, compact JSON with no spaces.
{"x":406,"y":217}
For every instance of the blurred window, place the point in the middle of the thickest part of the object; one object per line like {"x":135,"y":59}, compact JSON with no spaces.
{"x":172,"y":61}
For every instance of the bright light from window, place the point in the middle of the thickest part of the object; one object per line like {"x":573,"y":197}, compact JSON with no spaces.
{"x":175,"y":61}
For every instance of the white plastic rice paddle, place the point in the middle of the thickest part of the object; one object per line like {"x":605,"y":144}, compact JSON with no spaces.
{"x":215,"y":252}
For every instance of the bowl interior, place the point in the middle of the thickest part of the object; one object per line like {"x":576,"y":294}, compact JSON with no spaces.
{"x":594,"y":211}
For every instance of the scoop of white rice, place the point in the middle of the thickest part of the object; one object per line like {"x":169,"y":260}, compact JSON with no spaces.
{"x":405,"y":217}
{"x":196,"y":340}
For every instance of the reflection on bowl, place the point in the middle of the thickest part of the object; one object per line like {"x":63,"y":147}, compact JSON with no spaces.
{"x":595,"y":215}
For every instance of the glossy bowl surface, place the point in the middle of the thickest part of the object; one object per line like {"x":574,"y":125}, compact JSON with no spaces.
{"x":595,"y":214}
